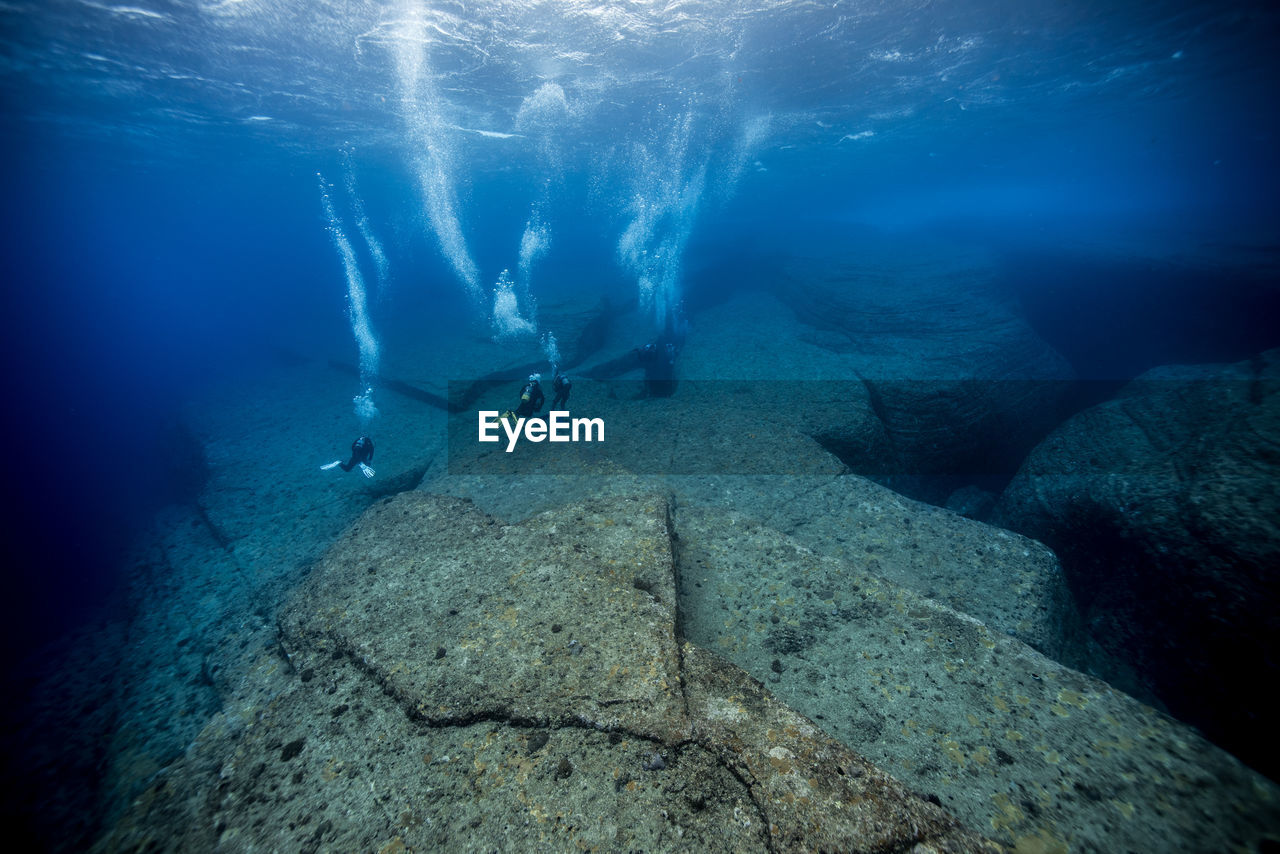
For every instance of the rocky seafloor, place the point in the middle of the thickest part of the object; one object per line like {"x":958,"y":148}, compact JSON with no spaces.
{"x":708,"y":633}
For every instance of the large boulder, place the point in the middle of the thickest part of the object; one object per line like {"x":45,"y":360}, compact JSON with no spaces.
{"x":1163,"y":506}
{"x":1041,"y":757}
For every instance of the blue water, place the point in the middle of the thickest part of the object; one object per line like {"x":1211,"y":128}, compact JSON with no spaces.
{"x":163,"y":227}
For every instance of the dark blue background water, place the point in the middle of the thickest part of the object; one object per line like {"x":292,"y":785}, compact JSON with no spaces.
{"x":149,"y":254}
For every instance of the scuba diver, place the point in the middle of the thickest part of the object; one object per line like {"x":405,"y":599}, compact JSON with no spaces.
{"x":561,"y":385}
{"x":361,"y":455}
{"x":531,"y":397}
{"x":658,"y":358}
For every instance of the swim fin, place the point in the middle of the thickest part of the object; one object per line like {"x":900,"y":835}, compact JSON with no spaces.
{"x":331,"y":465}
{"x":368,"y":472}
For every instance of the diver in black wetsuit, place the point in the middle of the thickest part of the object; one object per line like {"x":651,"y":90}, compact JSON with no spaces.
{"x":531,"y":397}
{"x":561,"y":385}
{"x":658,"y":358}
{"x":361,"y":455}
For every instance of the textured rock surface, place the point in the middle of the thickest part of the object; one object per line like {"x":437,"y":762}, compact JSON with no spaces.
{"x":1041,"y":757}
{"x":1011,"y":583}
{"x":438,"y":599}
{"x":455,"y":682}
{"x":1163,"y":506}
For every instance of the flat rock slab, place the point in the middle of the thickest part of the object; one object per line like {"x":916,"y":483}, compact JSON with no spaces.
{"x":1040,"y":756}
{"x":567,"y":618}
{"x":454,"y":682}
{"x":1011,"y":583}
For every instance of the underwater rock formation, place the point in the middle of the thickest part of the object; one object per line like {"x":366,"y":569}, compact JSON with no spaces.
{"x":1039,"y":756}
{"x":1162,"y":504}
{"x":445,"y":679}
{"x":960,"y":381}
{"x":454,"y":680}
{"x":1012,"y":584}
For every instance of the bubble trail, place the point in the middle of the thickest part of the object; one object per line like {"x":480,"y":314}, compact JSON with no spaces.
{"x":357,"y":302}
{"x":430,"y":155}
{"x":507,"y":321}
{"x":376,"y":252}
{"x":664,"y":203}
{"x":551,"y":349}
{"x":534,"y":243}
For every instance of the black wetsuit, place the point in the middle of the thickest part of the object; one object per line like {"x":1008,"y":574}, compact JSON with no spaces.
{"x":658,"y":359}
{"x":561,"y":385}
{"x":361,"y":452}
{"x":531,"y":399}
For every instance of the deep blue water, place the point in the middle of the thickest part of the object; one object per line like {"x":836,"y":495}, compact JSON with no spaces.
{"x":162,"y":224}
{"x":163,"y":228}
